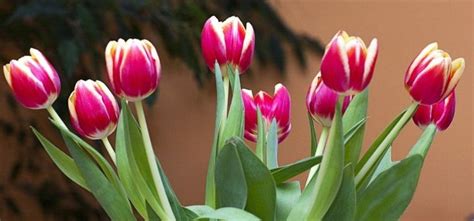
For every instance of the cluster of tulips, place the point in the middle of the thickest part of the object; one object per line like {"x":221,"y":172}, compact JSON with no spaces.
{"x":243,"y":184}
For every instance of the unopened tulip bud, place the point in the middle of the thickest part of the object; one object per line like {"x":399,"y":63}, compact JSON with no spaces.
{"x":33,"y":80}
{"x":227,"y":42}
{"x":93,"y":109}
{"x":441,"y":114}
{"x":133,"y":68}
{"x":276,"y":107}
{"x":321,"y":102}
{"x":432,"y":75}
{"x":348,"y":65}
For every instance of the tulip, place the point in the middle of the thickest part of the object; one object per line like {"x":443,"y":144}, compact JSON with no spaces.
{"x":133,"y":68}
{"x":227,"y":42}
{"x":276,"y":107}
{"x":93,"y":109}
{"x":33,"y":80}
{"x":347,"y":65}
{"x":432,"y":75}
{"x":441,"y":114}
{"x":321,"y":102}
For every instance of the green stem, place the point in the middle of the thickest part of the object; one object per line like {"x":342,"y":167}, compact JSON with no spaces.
{"x":380,"y":150}
{"x":55,"y":116}
{"x":110,"y":150}
{"x":152,"y":162}
{"x":319,"y":152}
{"x":226,"y":106}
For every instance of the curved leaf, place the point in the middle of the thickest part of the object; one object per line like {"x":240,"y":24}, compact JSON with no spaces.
{"x":284,"y":173}
{"x":344,"y":206}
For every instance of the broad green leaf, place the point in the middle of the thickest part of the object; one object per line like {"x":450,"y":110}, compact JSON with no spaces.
{"x":98,"y":158}
{"x":113,"y":201}
{"x":200,"y":210}
{"x":235,"y":120}
{"x":62,"y":160}
{"x":151,"y":214}
{"x":344,"y":206}
{"x":314,"y":139}
{"x":387,"y":197}
{"x":356,"y":112}
{"x":349,"y":135}
{"x":287,"y":196}
{"x":284,"y":173}
{"x":132,"y":165}
{"x":272,"y":146}
{"x":261,"y":193}
{"x":424,"y":142}
{"x":326,"y":185}
{"x":231,"y":186}
{"x":210,"y":179}
{"x":384,"y":164}
{"x":261,"y":137}
{"x":230,"y":214}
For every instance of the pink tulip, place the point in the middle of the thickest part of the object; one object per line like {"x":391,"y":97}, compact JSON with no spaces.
{"x":33,"y":80}
{"x":348,"y":65}
{"x":276,"y":107}
{"x":93,"y":109}
{"x":432,"y":75}
{"x":133,"y":68}
{"x":228,"y":42}
{"x":321,"y":102}
{"x":441,"y":114}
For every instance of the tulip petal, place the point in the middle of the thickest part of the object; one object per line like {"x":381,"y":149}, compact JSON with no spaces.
{"x":428,"y":86}
{"x":457,"y":69}
{"x":422,"y":116}
{"x":27,"y":88}
{"x":423,"y":54}
{"x":443,"y":112}
{"x":369,"y":66}
{"x":281,"y":107}
{"x":247,"y":49}
{"x":213,"y":42}
{"x":334,"y":65}
{"x":250,"y":113}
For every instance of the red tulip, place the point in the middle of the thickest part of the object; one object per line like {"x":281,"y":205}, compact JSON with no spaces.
{"x":228,"y":42}
{"x":321,"y":102}
{"x":133,"y":68}
{"x":348,"y":65}
{"x":432,"y":76}
{"x":276,"y":107}
{"x":93,"y":109}
{"x":441,"y":114}
{"x":33,"y":80}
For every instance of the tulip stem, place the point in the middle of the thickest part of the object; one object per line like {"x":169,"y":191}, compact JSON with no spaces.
{"x":110,"y":150}
{"x":55,"y":116}
{"x":152,"y":162}
{"x":319,"y":152}
{"x":385,"y":144}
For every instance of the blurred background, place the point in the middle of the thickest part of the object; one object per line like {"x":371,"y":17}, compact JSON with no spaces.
{"x":290,"y":39}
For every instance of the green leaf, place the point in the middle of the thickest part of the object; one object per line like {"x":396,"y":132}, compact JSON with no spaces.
{"x":235,"y":120}
{"x":323,"y":190}
{"x":231,"y":187}
{"x":344,"y":206}
{"x":272,"y":146}
{"x":355,"y":113}
{"x":132,"y":165}
{"x":113,"y":201}
{"x":200,"y":210}
{"x":261,"y":193}
{"x":151,"y":214}
{"x":314,"y":139}
{"x":65,"y":163}
{"x":349,"y":135}
{"x":98,"y":158}
{"x":284,"y":173}
{"x":210,"y":178}
{"x":287,"y":196}
{"x":387,"y":197}
{"x":424,"y":142}
{"x":261,"y":137}
{"x":229,"y":213}
{"x":384,"y":164}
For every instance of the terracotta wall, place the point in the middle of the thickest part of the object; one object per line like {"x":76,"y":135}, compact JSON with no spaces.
{"x":181,"y":121}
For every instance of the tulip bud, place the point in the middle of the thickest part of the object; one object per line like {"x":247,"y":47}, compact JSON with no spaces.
{"x":133,"y":68}
{"x":432,"y":76}
{"x":93,"y":109}
{"x":441,"y":114}
{"x":276,"y":107}
{"x":228,"y":42}
{"x":348,"y":65}
{"x":321,"y":102}
{"x":33,"y":80}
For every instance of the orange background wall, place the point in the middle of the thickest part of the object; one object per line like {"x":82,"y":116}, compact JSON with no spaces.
{"x":182,"y":119}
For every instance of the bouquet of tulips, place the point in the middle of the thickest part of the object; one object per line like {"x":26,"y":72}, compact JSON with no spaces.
{"x":245,"y":183}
